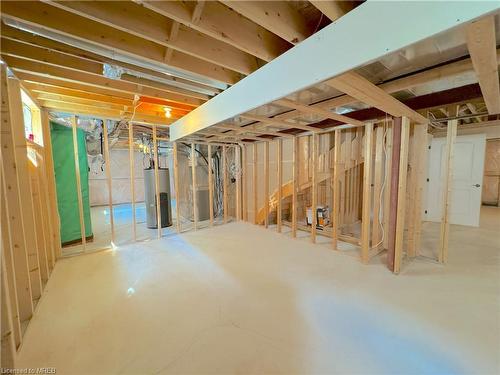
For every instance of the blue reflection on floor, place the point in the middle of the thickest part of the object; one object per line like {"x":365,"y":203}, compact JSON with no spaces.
{"x":383,"y":341}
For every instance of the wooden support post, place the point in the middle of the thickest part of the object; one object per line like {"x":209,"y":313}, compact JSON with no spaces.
{"x":51,"y":184}
{"x":157,"y":182}
{"x":237,"y":162}
{"x":393,"y":201}
{"x":266,"y":183}
{"x":39,"y":224}
{"x":107,"y":165}
{"x":377,"y":184}
{"x":314,"y":187}
{"x":132,"y":176}
{"x":12,"y":278}
{"x":254,"y":183}
{"x":244,"y":177}
{"x":387,"y":187}
{"x":451,"y":134}
{"x":348,"y":165}
{"x":367,"y":180}
{"x":210,"y":186}
{"x":400,"y":216}
{"x":24,"y":185}
{"x":194,"y":187}
{"x":12,"y":210}
{"x":8,"y":329}
{"x":279,"y":171}
{"x":295,"y":168}
{"x":177,"y":188}
{"x":359,"y":137}
{"x":342,"y":172}
{"x":45,"y":204}
{"x":413,"y":156}
{"x":336,"y":189}
{"x":78,"y":182}
{"x":421,"y":151}
{"x":225,"y":185}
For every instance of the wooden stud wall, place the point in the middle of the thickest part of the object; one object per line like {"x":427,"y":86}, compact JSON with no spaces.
{"x":30,"y":239}
{"x":350,"y":171}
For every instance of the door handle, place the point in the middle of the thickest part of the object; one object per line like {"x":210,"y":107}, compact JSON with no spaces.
{"x":476,"y":185}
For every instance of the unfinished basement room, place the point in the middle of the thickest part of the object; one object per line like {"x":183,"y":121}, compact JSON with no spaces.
{"x":250,"y":187}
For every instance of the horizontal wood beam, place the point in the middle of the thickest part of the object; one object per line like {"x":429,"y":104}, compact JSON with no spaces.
{"x":481,"y":41}
{"x":279,"y":17}
{"x":318,"y":111}
{"x":25,"y":51}
{"x":144,"y":23}
{"x":363,"y":90}
{"x":222,"y":23}
{"x":78,"y":109}
{"x":38,"y":88}
{"x":8,"y":32}
{"x":275,"y":122}
{"x":463,"y":94}
{"x":251,"y":129}
{"x":333,"y":9}
{"x":28,"y":66}
{"x":50,"y":18}
{"x":399,"y":84}
{"x":312,"y":62}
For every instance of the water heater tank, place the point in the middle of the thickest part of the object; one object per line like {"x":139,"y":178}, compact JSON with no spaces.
{"x":150,"y":197}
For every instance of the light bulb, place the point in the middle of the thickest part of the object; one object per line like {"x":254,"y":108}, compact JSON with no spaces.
{"x":168,"y":112}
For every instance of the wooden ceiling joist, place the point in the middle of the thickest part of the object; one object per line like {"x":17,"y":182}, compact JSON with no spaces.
{"x":75,"y":100}
{"x":222,"y":23}
{"x":144,"y":23}
{"x":28,"y":66}
{"x":279,"y":17}
{"x":49,"y":17}
{"x":8,"y":32}
{"x":312,"y":62}
{"x":251,"y":129}
{"x":481,"y":41}
{"x":33,"y":53}
{"x":237,"y":137}
{"x":266,"y":121}
{"x":363,"y":90}
{"x":104,"y":113}
{"x":447,"y":71}
{"x":38,"y":88}
{"x":317,"y":111}
{"x":333,"y":9}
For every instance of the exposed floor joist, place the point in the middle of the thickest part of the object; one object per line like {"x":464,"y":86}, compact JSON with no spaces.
{"x":49,"y":17}
{"x":279,"y":17}
{"x":144,"y":23}
{"x":363,"y":90}
{"x":333,"y":9}
{"x":38,"y":68}
{"x":312,"y":62}
{"x":481,"y":42}
{"x":42,"y":55}
{"x":220,"y":22}
{"x":12,"y":33}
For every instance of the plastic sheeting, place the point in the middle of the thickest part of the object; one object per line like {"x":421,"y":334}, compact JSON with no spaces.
{"x":64,"y":168}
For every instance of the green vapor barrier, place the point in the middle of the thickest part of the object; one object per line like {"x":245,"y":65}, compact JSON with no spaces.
{"x":64,"y":168}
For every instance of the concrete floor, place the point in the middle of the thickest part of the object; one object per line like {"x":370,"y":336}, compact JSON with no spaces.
{"x":239,"y":298}
{"x":122,"y":214}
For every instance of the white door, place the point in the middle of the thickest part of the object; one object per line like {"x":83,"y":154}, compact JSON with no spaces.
{"x":468,"y":164}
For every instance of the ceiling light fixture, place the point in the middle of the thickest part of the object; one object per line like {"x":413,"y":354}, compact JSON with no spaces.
{"x":168,"y":112}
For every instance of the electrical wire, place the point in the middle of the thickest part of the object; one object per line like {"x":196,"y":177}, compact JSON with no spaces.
{"x":380,"y":212}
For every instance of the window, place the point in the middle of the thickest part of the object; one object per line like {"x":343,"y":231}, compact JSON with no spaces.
{"x":32,"y":120}
{"x":28,"y":122}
